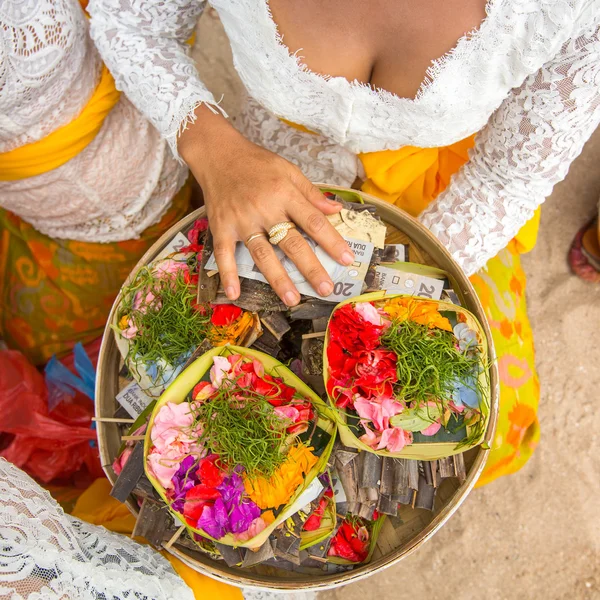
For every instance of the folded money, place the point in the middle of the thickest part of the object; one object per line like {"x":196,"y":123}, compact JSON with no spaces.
{"x":400,"y":282}
{"x":359,"y":225}
{"x":347,"y":281}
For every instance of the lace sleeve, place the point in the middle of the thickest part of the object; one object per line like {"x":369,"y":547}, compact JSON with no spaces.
{"x":143,"y":43}
{"x":524,"y":150}
{"x":47,"y":554}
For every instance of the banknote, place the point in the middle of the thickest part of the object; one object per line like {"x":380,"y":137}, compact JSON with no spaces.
{"x":347,"y":281}
{"x":399,"y":282}
{"x":359,"y":225}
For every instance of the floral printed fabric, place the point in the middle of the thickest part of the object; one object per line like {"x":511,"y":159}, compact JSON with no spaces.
{"x":55,"y":293}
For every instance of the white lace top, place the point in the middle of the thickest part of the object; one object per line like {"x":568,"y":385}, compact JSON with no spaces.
{"x":119,"y":184}
{"x":528,"y":78}
{"x":48,"y":555}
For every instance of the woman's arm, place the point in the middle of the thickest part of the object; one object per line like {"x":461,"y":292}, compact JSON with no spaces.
{"x":246,"y":188}
{"x":524,"y":150}
{"x":144,"y":45}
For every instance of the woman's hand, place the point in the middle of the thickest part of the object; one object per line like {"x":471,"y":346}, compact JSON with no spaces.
{"x":248,"y":190}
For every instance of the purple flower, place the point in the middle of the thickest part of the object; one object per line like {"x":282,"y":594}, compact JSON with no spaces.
{"x":231,"y":513}
{"x":184,"y":479}
{"x":214,"y":519}
{"x":242,"y":515}
{"x":232,"y":488}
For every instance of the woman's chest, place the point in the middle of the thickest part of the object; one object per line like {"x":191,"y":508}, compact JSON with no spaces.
{"x":388,"y":44}
{"x":368,"y":80}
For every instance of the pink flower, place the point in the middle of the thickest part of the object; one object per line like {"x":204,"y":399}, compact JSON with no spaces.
{"x":120,"y":461}
{"x":164,"y":465}
{"x":142,"y":304}
{"x":368,"y":312}
{"x":394,"y":439}
{"x":219,"y":371}
{"x":390,"y":407}
{"x":170,"y":266}
{"x":130,"y":332}
{"x":287,"y":412}
{"x":432,"y":429}
{"x":378,"y":412}
{"x":370,"y":411}
{"x":370,"y":438}
{"x":172,"y":427}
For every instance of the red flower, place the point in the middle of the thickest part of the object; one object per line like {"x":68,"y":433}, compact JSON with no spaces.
{"x":192,"y":248}
{"x":351,"y":542}
{"x":202,"y":492}
{"x":314,"y":521}
{"x":198,"y":227}
{"x":210,"y":471}
{"x":225,"y":314}
{"x":357,"y":363}
{"x":190,"y":278}
{"x":192,"y":511}
{"x":352,"y":332}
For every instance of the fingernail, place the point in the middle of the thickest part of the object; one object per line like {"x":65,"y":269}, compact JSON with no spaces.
{"x":347,"y":258}
{"x":230,"y":292}
{"x":290,"y":298}
{"x":325,"y":288}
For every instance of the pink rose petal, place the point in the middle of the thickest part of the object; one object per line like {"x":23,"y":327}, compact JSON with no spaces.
{"x":370,"y":438}
{"x":371,"y":411}
{"x":368,"y":312}
{"x":287,"y":412}
{"x":393,"y":439}
{"x":164,"y":466}
{"x":219,"y":370}
{"x":432,"y":429}
{"x":173,"y":422}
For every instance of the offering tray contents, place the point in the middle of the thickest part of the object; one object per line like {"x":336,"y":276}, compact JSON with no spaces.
{"x":296,"y":447}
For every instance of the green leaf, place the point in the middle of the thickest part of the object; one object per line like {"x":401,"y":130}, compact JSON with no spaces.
{"x":416,"y":419}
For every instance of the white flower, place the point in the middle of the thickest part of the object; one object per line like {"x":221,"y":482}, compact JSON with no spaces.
{"x":467,"y":338}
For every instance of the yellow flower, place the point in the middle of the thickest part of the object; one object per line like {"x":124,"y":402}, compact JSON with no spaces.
{"x":273,"y":492}
{"x":124,"y":322}
{"x":419,"y":311}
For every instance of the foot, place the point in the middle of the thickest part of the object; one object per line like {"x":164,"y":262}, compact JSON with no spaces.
{"x":584,"y":255}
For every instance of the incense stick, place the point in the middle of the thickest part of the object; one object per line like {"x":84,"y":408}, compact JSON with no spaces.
{"x":112,"y":420}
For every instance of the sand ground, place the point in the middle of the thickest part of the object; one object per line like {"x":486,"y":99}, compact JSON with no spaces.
{"x":536,"y":534}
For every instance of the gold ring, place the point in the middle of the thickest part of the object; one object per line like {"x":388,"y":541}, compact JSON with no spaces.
{"x":254,"y":236}
{"x":278,"y":232}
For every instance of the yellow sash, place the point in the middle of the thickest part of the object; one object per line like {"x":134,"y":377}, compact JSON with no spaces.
{"x":63,"y":144}
{"x":411,"y":178}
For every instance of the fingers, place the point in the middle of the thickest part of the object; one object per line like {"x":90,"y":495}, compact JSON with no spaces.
{"x":312,"y":221}
{"x":224,"y":249}
{"x":298,"y":250}
{"x":314,"y":195}
{"x":266,"y":260}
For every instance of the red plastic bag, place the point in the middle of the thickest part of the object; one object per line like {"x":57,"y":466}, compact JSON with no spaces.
{"x":50,"y":446}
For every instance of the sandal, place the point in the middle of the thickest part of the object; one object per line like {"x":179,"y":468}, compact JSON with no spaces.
{"x":584,"y":255}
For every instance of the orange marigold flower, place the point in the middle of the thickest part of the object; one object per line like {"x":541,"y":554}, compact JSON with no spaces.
{"x":419,"y":311}
{"x":279,"y":488}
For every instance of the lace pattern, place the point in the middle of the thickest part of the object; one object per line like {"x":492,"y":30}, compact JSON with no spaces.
{"x":164,"y":84}
{"x":319,"y":158}
{"x":525,"y":149}
{"x":528,"y":78}
{"x":117,"y":186}
{"x":46,"y":554}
